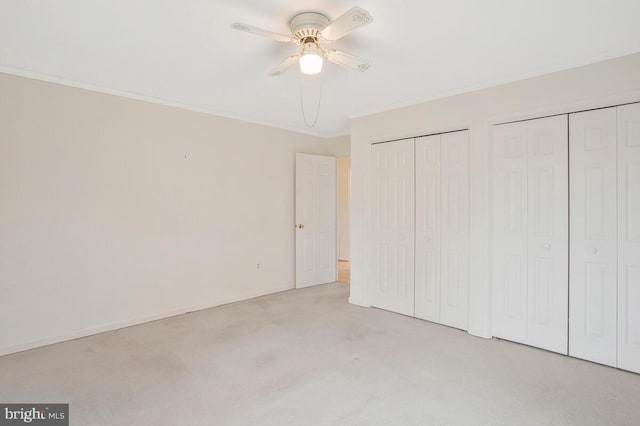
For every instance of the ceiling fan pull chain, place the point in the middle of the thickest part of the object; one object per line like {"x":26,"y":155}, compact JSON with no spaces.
{"x":304,"y":116}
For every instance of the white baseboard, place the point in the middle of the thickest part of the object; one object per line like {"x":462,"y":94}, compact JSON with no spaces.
{"x":482,"y":335}
{"x":479,"y":332}
{"x":134,"y":321}
{"x":355,"y":301}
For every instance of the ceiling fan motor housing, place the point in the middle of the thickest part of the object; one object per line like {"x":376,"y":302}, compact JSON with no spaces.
{"x":306,"y":26}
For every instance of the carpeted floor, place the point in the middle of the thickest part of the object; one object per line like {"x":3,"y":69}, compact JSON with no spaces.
{"x":307,"y":357}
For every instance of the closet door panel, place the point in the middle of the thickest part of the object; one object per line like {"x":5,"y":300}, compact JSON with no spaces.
{"x":393,"y":192}
{"x":593,"y":233}
{"x":548,"y":245}
{"x":629,"y":237}
{"x":427,"y":268}
{"x":509,"y":246}
{"x":454,"y":266}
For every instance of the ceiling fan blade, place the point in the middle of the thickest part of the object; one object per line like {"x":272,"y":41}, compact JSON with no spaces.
{"x":284,"y":65}
{"x":354,"y":18}
{"x":347,"y":60}
{"x":264,"y":33}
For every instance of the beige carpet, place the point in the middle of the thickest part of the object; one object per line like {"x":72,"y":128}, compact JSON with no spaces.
{"x":306,"y":357}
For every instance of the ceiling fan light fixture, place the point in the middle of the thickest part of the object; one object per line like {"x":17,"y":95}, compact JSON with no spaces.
{"x":310,"y":29}
{"x":311,"y":59}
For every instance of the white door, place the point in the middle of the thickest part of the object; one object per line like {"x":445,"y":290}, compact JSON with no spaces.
{"x":392,"y":226}
{"x":442,"y":228}
{"x":316,"y":260}
{"x":427,"y":268}
{"x":593,"y":222}
{"x":548,"y":241}
{"x":530,"y":226}
{"x":510,"y":222}
{"x":629,"y":237}
{"x":454,"y":263}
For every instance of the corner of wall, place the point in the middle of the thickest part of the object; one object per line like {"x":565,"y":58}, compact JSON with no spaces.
{"x":339,"y":146}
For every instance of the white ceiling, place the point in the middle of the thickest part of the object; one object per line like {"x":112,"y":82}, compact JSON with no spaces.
{"x":184,"y":53}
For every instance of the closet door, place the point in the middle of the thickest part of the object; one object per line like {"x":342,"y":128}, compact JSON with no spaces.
{"x":393,"y":230}
{"x":454,"y":247}
{"x":593,"y":229}
{"x":548,"y":239}
{"x":530,"y":228}
{"x":629,"y":237}
{"x":509,"y":251}
{"x":427,"y":301}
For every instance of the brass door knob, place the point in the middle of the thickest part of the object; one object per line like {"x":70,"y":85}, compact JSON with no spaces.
{"x":300,"y":226}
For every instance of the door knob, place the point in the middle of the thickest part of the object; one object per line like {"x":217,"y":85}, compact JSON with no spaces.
{"x":547,"y":246}
{"x":593,"y":250}
{"x":300,"y":226}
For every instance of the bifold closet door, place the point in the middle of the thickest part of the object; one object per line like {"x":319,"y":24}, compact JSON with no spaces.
{"x":454,"y":275}
{"x":428,"y":228}
{"x":548,"y":245}
{"x":629,"y":237}
{"x":593,"y":222}
{"x":392,"y":226}
{"x":530,"y":226}
{"x":442,"y":228}
{"x":509,"y":253}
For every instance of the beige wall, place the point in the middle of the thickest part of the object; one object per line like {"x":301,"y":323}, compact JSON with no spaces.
{"x":339,"y":146}
{"x":116,"y":211}
{"x":344,"y":201}
{"x":602,"y":84}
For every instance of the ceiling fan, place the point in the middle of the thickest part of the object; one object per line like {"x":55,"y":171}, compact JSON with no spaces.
{"x":310,"y":30}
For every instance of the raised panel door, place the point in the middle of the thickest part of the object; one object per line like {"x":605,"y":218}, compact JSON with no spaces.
{"x":428,"y":225}
{"x":548,"y":233}
{"x":629,"y":237}
{"x":454,"y":265}
{"x":509,"y":244}
{"x":593,"y":230}
{"x":316,"y":260}
{"x":392,"y":226}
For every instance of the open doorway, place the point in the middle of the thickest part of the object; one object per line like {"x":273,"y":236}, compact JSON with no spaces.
{"x":343,"y":219}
